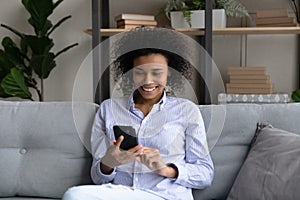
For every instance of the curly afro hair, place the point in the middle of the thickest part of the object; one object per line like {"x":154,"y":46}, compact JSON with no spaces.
{"x":145,"y":41}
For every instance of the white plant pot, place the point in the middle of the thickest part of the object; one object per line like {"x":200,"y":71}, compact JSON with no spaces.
{"x":198,"y":19}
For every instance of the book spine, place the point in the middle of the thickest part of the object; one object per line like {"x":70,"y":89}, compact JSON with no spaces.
{"x":265,"y":13}
{"x":134,"y":17}
{"x":277,"y":25}
{"x":249,"y":77}
{"x":136,"y":22}
{"x":244,"y":72}
{"x":250,"y":81}
{"x":251,"y":86}
{"x":130,"y":26}
{"x":249,"y":91}
{"x":276,"y":20}
{"x":248,"y":68}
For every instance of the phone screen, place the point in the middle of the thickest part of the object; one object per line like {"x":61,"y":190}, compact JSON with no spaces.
{"x":130,"y":139}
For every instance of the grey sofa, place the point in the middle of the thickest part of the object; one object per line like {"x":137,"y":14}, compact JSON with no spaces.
{"x":44,"y":146}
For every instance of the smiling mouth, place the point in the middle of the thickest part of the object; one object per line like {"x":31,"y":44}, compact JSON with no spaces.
{"x":149,"y":89}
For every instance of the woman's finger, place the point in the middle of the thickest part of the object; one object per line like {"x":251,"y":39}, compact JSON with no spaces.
{"x":136,"y":148}
{"x":119,"y":141}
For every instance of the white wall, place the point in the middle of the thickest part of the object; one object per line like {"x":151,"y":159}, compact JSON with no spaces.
{"x":277,"y":52}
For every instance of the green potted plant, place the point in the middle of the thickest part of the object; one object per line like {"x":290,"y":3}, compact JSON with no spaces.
{"x":21,"y":65}
{"x":296,"y":95}
{"x":190,"y":13}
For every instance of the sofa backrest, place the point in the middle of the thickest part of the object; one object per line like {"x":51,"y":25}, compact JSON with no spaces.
{"x":238,"y":130}
{"x":41,"y":153}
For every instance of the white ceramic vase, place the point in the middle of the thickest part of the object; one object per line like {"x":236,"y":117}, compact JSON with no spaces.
{"x":198,"y":19}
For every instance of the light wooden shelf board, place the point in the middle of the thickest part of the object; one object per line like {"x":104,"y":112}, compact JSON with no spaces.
{"x":257,"y":30}
{"x":224,"y":31}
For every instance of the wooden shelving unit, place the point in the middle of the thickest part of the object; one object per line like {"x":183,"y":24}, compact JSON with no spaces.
{"x":223,"y":31}
{"x":108,"y":32}
{"x":100,"y":21}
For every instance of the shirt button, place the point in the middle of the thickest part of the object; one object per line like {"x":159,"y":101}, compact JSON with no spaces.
{"x":23,"y":151}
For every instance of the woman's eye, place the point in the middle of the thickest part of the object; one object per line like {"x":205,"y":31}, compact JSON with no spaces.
{"x":139,"y":72}
{"x":156,"y":73}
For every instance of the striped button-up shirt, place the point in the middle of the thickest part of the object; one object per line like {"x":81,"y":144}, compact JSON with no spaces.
{"x":175,"y":127}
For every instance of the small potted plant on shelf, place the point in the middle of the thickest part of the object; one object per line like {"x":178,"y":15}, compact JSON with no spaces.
{"x":190,"y":13}
{"x":296,"y":95}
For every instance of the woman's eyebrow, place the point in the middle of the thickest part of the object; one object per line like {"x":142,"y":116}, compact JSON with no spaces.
{"x":137,"y":68}
{"x":157,"y":69}
{"x":154,"y":69}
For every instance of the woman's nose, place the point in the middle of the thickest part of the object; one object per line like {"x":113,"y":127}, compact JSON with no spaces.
{"x":148,"y":79}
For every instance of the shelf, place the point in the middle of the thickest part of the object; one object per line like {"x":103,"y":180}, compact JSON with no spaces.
{"x":223,"y":31}
{"x":257,"y":30}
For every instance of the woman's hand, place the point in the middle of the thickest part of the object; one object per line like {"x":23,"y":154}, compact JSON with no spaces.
{"x":152,"y":159}
{"x":115,"y":157}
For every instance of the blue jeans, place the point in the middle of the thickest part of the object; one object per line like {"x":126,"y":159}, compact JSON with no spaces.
{"x":108,"y":192}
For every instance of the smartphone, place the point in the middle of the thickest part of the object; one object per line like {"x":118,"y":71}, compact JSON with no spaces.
{"x":130,"y":138}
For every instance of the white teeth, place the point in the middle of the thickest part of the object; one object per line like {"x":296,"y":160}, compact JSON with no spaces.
{"x":149,"y":89}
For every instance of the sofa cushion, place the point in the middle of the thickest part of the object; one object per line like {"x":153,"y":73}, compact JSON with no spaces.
{"x":41,"y":152}
{"x":271,"y":170}
{"x":230,"y":150}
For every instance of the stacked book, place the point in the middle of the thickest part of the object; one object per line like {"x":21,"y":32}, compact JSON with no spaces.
{"x":128,"y":21}
{"x":274,"y":18}
{"x":248,"y":80}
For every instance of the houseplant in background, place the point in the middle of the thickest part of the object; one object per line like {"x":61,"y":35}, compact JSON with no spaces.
{"x":190,"y":13}
{"x":21,"y":65}
{"x":296,"y":95}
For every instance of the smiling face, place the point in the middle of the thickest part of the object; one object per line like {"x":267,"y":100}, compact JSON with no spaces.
{"x":150,"y":74}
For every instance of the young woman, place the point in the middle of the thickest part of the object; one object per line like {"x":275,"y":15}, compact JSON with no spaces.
{"x":171,"y":156}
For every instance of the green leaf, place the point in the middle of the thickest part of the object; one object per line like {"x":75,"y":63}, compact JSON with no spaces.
{"x":57,"y":3}
{"x":14,"y":84}
{"x":43,"y":31}
{"x":198,"y":5}
{"x":13,"y":30}
{"x":58,"y":24}
{"x":48,"y":25}
{"x":3,"y":94}
{"x":43,"y":64}
{"x":66,"y":49}
{"x":296,"y":95}
{"x":5,"y":64}
{"x":38,"y":45}
{"x":39,"y":11}
{"x":233,"y":8}
{"x":24,"y":46}
{"x":14,"y":54}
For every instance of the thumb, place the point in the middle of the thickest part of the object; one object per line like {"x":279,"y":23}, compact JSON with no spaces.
{"x":119,"y":141}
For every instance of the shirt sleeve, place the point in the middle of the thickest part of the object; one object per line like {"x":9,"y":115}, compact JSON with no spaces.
{"x":99,"y":145}
{"x":198,"y":170}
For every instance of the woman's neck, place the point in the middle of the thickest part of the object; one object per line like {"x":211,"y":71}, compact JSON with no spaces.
{"x":138,"y":99}
{"x":145,"y":105}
